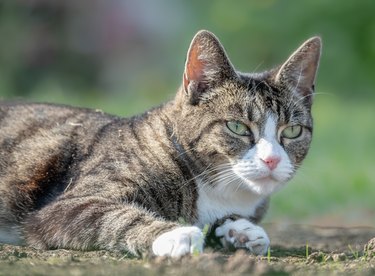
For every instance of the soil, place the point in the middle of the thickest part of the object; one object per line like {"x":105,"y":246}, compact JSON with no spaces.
{"x":296,"y":250}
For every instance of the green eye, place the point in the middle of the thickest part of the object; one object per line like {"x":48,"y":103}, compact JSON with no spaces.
{"x":292,"y":132}
{"x":238,"y":128}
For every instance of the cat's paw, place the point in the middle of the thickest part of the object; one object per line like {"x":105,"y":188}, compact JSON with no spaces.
{"x":179,"y":242}
{"x":242,"y":233}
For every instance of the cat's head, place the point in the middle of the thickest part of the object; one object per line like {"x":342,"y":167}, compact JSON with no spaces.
{"x":245,"y":131}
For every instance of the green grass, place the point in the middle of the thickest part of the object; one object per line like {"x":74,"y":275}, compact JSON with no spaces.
{"x":307,"y":250}
{"x":354,"y":252}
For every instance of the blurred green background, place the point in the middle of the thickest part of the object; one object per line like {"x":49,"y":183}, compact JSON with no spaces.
{"x":126,"y":56}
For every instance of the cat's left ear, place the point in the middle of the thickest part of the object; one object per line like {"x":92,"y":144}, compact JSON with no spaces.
{"x":298,"y":73}
{"x":206,"y":67}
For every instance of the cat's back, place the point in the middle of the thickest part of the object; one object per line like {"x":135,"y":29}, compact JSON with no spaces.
{"x":16,"y":115}
{"x":27,"y":121}
{"x":31,"y":133}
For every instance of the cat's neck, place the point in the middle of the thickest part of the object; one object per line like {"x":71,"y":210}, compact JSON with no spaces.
{"x":214,"y":203}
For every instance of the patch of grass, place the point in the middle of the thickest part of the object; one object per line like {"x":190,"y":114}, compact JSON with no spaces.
{"x":355,"y":253}
{"x":205,"y":232}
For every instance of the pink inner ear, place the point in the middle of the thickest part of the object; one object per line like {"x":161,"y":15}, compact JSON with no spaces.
{"x":194,"y":67}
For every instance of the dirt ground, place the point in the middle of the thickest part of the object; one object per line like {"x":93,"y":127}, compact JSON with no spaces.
{"x":296,"y":250}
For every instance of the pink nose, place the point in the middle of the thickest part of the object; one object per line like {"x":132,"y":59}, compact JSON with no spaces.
{"x":271,"y":162}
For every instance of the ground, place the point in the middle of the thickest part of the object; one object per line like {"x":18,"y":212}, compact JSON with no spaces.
{"x":296,"y":250}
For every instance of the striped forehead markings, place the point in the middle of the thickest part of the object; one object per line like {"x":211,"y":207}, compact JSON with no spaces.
{"x":263,"y":98}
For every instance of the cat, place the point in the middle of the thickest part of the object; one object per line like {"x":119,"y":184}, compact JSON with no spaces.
{"x":82,"y":179}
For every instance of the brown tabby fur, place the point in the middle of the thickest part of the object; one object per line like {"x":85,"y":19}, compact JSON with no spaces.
{"x":82,"y":179}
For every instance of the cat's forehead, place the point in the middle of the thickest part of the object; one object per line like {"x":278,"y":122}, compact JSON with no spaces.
{"x":255,"y":99}
{"x":262,"y":99}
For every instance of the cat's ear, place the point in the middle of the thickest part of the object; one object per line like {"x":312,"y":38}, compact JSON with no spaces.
{"x":207,"y":66}
{"x":299,"y":71}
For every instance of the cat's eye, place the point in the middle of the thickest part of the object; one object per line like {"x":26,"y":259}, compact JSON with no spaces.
{"x":238,"y":128}
{"x":292,"y":132}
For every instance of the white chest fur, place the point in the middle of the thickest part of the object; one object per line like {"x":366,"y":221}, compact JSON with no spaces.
{"x":215,"y":203}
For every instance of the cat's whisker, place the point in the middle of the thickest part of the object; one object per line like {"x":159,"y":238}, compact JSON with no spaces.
{"x":206,"y":172}
{"x":228,"y":183}
{"x":225,"y":167}
{"x":240,"y":183}
{"x":223,"y":179}
{"x":222,"y":175}
{"x":257,"y":67}
{"x":185,"y":151}
{"x":217,"y":178}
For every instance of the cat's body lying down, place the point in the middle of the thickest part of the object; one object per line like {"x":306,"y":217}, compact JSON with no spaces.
{"x":81,"y":179}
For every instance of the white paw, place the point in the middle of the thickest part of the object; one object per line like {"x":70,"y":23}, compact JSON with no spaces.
{"x":179,"y":242}
{"x":244,"y":234}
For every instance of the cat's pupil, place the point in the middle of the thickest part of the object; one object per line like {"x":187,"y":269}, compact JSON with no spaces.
{"x":237,"y":126}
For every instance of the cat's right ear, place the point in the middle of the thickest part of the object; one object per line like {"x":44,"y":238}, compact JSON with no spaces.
{"x":207,"y":66}
{"x":298,"y":73}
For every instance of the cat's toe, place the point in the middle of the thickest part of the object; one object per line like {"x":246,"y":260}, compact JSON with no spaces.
{"x":179,"y":242}
{"x":259,"y":243}
{"x":244,"y":234}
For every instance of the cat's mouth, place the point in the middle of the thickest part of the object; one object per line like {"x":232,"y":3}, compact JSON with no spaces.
{"x":258,"y":177}
{"x":264,"y":184}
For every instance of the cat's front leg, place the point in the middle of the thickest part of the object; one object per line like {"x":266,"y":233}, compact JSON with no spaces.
{"x":241,"y":233}
{"x":179,"y":242}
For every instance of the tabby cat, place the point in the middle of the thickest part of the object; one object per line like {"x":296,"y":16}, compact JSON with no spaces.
{"x":81,"y":179}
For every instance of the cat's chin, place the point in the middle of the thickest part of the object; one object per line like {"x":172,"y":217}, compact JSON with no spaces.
{"x":263,"y":186}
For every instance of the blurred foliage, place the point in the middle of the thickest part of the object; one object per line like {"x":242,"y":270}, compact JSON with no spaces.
{"x":97,"y":48}
{"x":126,"y":56}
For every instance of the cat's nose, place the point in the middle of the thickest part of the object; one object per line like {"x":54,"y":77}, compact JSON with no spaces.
{"x":271,"y":161}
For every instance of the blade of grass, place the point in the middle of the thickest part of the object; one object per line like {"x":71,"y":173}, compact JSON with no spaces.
{"x":307,"y":250}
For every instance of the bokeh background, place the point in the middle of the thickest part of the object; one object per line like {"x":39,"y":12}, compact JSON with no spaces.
{"x":125,"y":56}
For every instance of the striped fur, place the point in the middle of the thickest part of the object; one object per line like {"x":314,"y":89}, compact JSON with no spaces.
{"x":83,"y":179}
